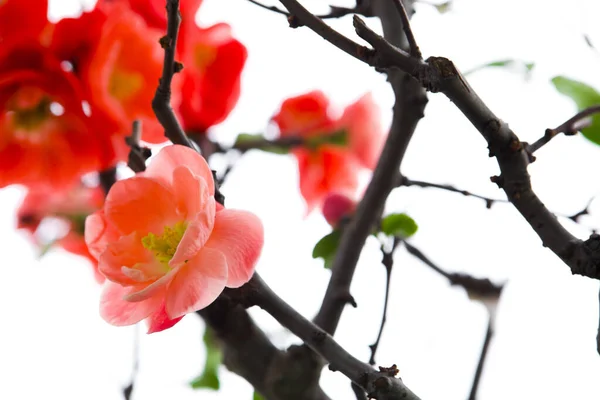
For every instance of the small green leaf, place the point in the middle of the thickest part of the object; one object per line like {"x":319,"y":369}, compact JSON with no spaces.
{"x":209,"y":379}
{"x":399,"y":225}
{"x":584,"y":96}
{"x":327,"y":246}
{"x":508,"y":63}
{"x":257,"y":396}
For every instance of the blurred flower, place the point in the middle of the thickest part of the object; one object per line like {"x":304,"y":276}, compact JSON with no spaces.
{"x":45,"y":136}
{"x":164,"y":246}
{"x":70,"y":207}
{"x":336,"y":149}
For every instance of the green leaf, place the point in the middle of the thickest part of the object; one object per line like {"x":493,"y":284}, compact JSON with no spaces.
{"x":399,"y":225}
{"x":327,"y":246}
{"x":257,"y":141}
{"x":209,"y":379}
{"x":508,"y":63}
{"x":257,"y":396}
{"x":584,"y":96}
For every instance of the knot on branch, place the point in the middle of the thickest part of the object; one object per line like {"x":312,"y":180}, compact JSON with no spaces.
{"x":390,"y":371}
{"x":438,"y":70}
{"x":476,"y":286}
{"x":587,"y":257}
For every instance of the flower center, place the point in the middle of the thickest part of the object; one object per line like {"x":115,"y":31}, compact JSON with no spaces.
{"x":124,"y":85}
{"x":164,"y":246}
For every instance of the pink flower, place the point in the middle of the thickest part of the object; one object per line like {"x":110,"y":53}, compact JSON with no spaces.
{"x":164,"y":246}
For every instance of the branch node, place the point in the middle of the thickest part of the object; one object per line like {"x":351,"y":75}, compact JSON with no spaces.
{"x":390,"y":371}
{"x":498,"y":180}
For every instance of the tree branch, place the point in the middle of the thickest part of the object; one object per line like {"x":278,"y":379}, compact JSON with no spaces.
{"x":137,"y":154}
{"x":408,"y":110}
{"x":248,"y":352}
{"x":404,"y":181}
{"x":362,"y":8}
{"x":474,"y":286}
{"x":161,"y":104}
{"x":381,"y":385}
{"x":107,"y":178}
{"x":410,"y":37}
{"x":439,"y":74}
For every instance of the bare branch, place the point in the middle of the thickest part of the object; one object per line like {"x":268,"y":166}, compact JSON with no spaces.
{"x":412,"y":42}
{"x":480,"y":287}
{"x":362,"y":8}
{"x":107,"y":178}
{"x":408,"y":110}
{"x":137,"y":154}
{"x":161,"y":104}
{"x":570,"y":127}
{"x":388,"y":263}
{"x":378,"y":384}
{"x":404,"y":181}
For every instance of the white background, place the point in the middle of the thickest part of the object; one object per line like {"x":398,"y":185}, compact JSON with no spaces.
{"x":54,"y":345}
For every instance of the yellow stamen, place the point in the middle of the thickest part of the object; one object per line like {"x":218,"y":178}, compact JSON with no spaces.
{"x":164,"y":246}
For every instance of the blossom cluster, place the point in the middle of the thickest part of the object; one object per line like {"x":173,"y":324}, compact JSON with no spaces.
{"x":160,"y":243}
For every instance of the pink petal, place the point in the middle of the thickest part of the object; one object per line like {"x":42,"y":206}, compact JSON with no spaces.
{"x":116,"y":311}
{"x":140,"y":204}
{"x":191,"y":191}
{"x":159,"y":320}
{"x":127,"y":252}
{"x":150,"y":290}
{"x":98,"y":233}
{"x":239,"y":236}
{"x":362,"y":119}
{"x":200,"y":208}
{"x":170,"y":157}
{"x":197,"y":283}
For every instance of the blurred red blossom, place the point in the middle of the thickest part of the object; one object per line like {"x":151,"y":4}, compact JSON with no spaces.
{"x":329,"y":166}
{"x":70,"y":207}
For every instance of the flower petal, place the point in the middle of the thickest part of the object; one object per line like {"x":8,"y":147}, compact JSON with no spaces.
{"x":140,"y":204}
{"x":193,"y":197}
{"x":116,"y":311}
{"x":127,"y":252}
{"x":362,"y":119}
{"x":197,"y":283}
{"x":170,"y":157}
{"x":98,"y":233}
{"x":151,"y":289}
{"x":239,"y":236}
{"x":159,"y":320}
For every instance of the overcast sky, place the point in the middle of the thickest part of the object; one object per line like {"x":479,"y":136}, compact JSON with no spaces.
{"x":54,"y":344}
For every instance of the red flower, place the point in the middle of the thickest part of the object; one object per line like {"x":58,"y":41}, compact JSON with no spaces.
{"x":337,"y":206}
{"x":45,"y":136}
{"x":211,"y":79}
{"x":23,"y":19}
{"x":154,"y":13}
{"x":327,"y":167}
{"x":123,"y":72}
{"x":70,"y":207}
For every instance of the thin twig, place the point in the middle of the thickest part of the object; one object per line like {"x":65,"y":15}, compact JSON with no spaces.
{"x":107,"y":178}
{"x":482,"y":356}
{"x":412,"y":42}
{"x":404,"y":181}
{"x":358,"y":392}
{"x":598,"y":334}
{"x":336,"y":12}
{"x":570,"y":127}
{"x":161,"y":104}
{"x":388,"y":263}
{"x":480,"y":287}
{"x":137,"y":154}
